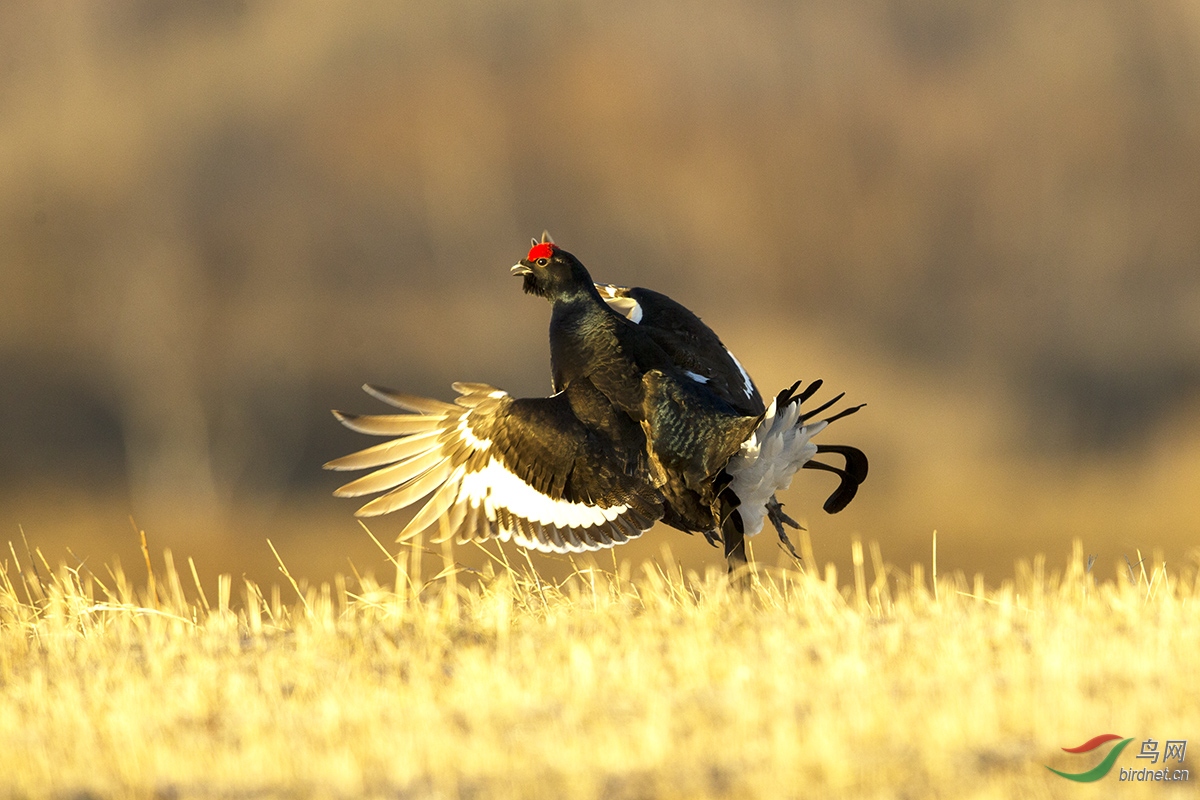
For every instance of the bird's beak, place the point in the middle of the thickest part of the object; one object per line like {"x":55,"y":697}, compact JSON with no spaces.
{"x":520,"y":269}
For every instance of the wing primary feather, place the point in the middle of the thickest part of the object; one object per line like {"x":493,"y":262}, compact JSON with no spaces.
{"x":437,"y":505}
{"x":393,"y":476}
{"x":408,"y":402}
{"x":386,"y":453}
{"x":388,"y":424}
{"x":407,"y":494}
{"x":484,"y":401}
{"x":470,"y":387}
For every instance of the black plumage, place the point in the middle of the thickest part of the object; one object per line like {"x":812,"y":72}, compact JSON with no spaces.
{"x":652,"y":418}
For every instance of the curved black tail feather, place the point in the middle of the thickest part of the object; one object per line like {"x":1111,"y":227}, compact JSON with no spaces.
{"x":852,"y":476}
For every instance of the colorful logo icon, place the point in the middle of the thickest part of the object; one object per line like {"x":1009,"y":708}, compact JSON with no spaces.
{"x":1100,"y":770}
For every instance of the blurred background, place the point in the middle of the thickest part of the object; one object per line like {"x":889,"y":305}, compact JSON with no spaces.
{"x":217,"y":220}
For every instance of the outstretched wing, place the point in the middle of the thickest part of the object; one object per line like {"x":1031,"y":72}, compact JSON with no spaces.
{"x":691,"y":345}
{"x":493,"y":466}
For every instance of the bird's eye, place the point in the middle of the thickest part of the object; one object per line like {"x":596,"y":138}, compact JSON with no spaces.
{"x":541,"y":262}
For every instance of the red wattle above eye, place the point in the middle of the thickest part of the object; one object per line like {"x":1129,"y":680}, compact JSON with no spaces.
{"x":545,"y":250}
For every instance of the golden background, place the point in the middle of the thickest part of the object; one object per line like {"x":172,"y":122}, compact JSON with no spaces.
{"x":218,"y":219}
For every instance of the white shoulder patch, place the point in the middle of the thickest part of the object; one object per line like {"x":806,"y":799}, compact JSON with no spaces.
{"x":627,"y":307}
{"x":695,"y":377}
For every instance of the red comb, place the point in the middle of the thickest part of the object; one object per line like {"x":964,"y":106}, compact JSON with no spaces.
{"x":543,"y":250}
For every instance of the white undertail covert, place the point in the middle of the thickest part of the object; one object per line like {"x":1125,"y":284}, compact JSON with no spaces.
{"x":767,"y":460}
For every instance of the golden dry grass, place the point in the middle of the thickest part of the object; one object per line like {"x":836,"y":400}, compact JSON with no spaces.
{"x":662,"y":684}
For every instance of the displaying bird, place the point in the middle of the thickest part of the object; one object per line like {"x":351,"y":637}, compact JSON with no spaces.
{"x":652,"y":418}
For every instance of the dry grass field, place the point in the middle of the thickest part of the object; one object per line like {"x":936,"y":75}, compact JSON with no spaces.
{"x":496,"y":683}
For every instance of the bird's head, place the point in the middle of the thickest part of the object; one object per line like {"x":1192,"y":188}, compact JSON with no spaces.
{"x":552,"y":272}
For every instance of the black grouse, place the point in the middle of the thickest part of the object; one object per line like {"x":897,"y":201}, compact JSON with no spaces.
{"x":652,"y":418}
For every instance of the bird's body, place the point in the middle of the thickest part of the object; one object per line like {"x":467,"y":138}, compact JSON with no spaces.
{"x":652,"y":418}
